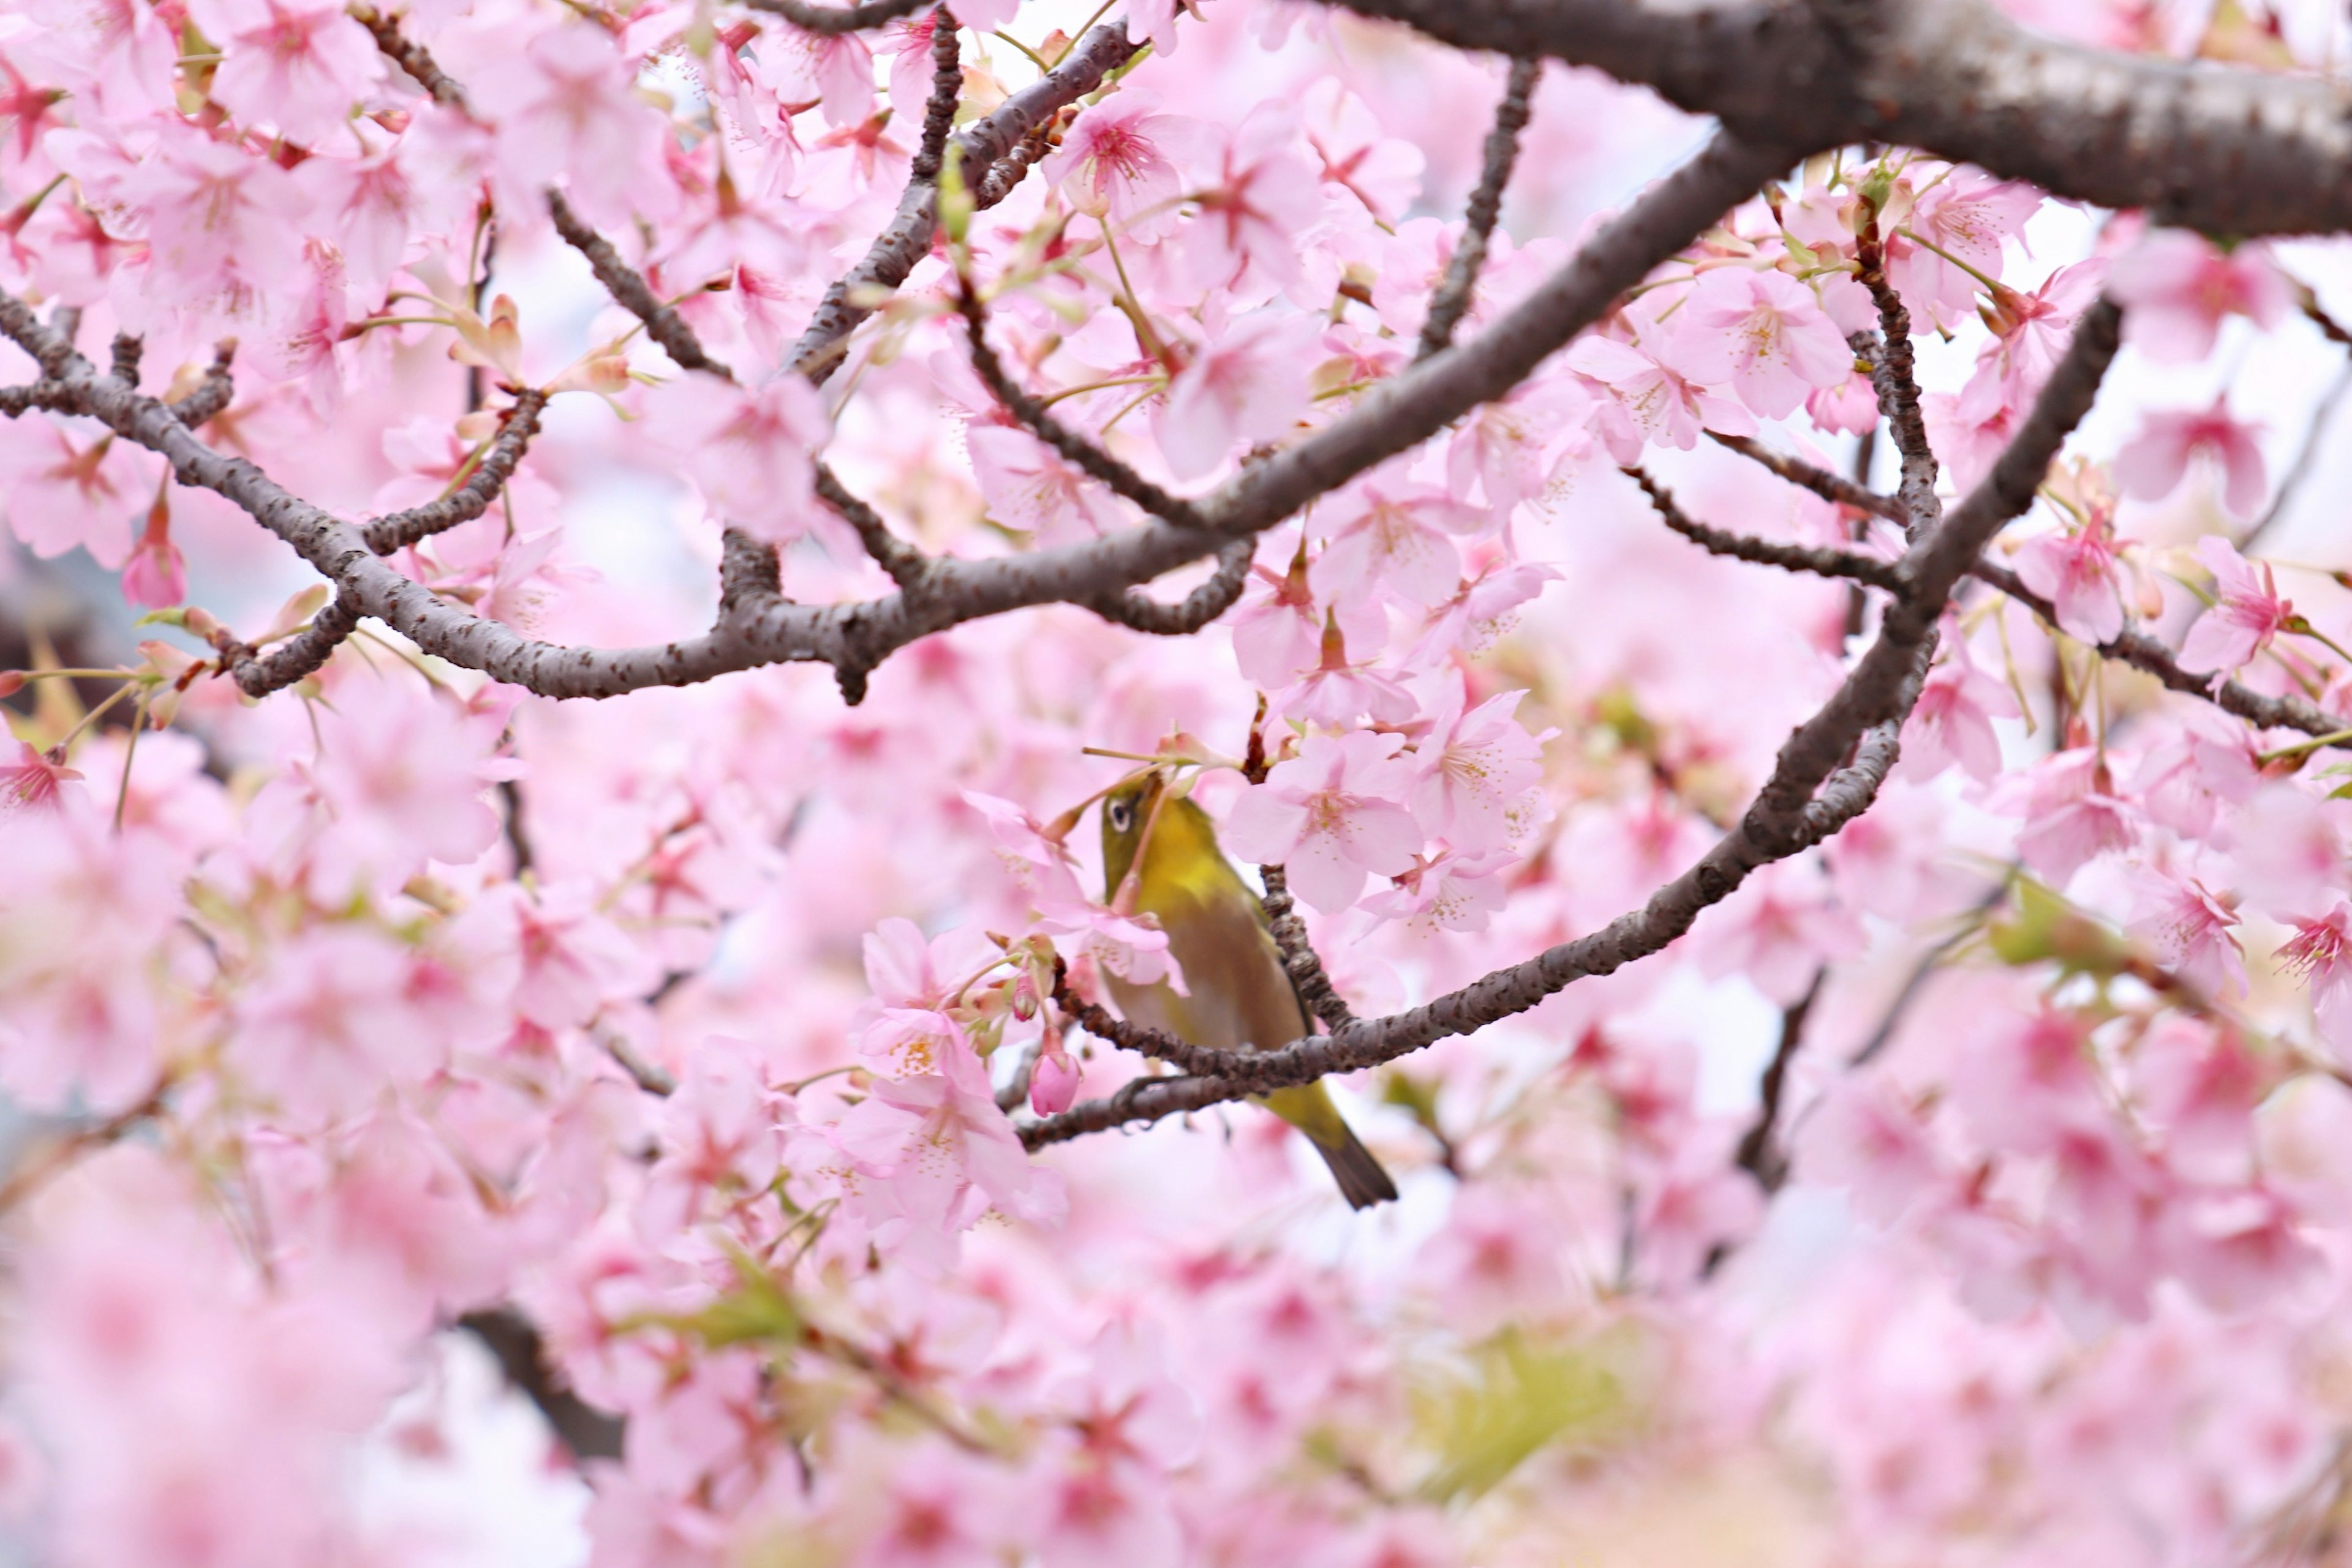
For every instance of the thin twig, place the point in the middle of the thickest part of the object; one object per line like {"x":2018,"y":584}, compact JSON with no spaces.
{"x":1760,"y":1154}
{"x":1893,"y":374}
{"x":1451,"y":300}
{"x":1217,"y":593}
{"x":258,"y":675}
{"x":630,"y":291}
{"x":1829,"y":487}
{"x":413,"y":57}
{"x":1299,"y":959}
{"x":1820,"y":559}
{"x":470,"y":500}
{"x":36,"y":1171}
{"x":1081,"y":453}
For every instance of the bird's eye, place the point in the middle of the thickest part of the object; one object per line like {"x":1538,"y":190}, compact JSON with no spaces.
{"x":1122,"y":816}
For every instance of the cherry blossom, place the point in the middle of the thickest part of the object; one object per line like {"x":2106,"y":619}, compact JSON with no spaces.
{"x":1112,"y":163}
{"x":1857,"y":1059}
{"x":2151,"y":464}
{"x":2079,"y":573}
{"x":297,"y":66}
{"x":1765,"y":333}
{"x":1652,"y":402}
{"x":2246,"y":615}
{"x":1329,"y":816}
{"x":2177,"y":288}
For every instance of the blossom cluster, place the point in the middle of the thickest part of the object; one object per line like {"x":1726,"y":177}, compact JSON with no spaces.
{"x":722,"y":1038}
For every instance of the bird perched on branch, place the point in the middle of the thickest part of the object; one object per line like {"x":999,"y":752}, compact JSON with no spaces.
{"x":1241,"y":997}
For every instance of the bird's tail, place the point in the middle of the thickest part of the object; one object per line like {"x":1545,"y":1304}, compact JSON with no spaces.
{"x":1362,"y":1180}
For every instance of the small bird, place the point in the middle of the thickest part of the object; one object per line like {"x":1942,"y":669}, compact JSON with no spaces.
{"x":1241,"y":996}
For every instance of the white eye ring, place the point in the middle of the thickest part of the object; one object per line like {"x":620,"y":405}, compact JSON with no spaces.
{"x":1121,"y":815}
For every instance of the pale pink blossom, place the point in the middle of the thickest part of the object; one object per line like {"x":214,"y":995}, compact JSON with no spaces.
{"x":2286,"y":847}
{"x":1963,"y":216}
{"x":327,"y":1027}
{"x":909,"y":1023}
{"x":2072,"y":813}
{"x":66,"y":487}
{"x":35,"y":778}
{"x":1863,"y":1138}
{"x":1653,"y":405}
{"x":2079,"y":572}
{"x":1329,"y":816}
{"x":569,"y":112}
{"x":2189,"y":930}
{"x":938,"y":1151}
{"x":1447,"y":891}
{"x":1381,"y":172}
{"x":2177,"y":287}
{"x":1114,"y":162}
{"x":1765,"y":333}
{"x":2151,"y":464}
{"x":1029,"y":486}
{"x":1394,"y":534}
{"x":1262,"y":194}
{"x":1478,"y":766}
{"x":156,"y":575}
{"x":1777,"y":930}
{"x":2246,"y":615}
{"x":218,"y":223}
{"x":751,"y":450}
{"x":299,"y":67}
{"x":1248,"y":382}
{"x":2320,"y":955}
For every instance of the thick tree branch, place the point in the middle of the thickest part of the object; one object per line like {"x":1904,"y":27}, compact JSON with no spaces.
{"x":2222,"y":148}
{"x":1453,"y":297}
{"x":515,"y":1343}
{"x":831,"y":20}
{"x":1406,"y":410}
{"x":856,"y":636}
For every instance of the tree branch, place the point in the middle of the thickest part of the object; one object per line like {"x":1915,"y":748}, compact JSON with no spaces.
{"x":2143,"y":652}
{"x":1811,"y":793}
{"x":257,"y":674}
{"x":907,"y":238}
{"x":857,"y":636}
{"x":1818,"y":560}
{"x":833,"y":20}
{"x":1081,"y":453}
{"x":472,"y":499}
{"x":412,"y":57}
{"x":630,"y":291}
{"x":2224,"y":149}
{"x":1453,"y":297}
{"x":1829,"y":487}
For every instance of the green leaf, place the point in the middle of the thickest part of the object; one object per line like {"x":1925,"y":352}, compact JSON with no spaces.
{"x":2045,"y":928}
{"x":1519,"y":1395}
